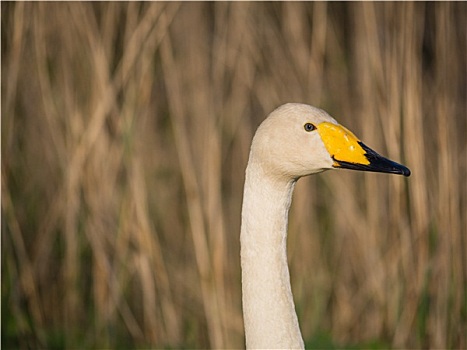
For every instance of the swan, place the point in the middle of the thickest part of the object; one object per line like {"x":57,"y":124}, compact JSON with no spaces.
{"x":295,"y":140}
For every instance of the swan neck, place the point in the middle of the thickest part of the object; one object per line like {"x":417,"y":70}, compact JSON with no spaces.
{"x":268,"y":307}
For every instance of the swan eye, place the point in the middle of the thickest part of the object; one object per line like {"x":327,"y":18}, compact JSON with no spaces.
{"x":309,"y":127}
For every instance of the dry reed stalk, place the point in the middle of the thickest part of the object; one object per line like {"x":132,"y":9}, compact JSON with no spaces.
{"x":193,"y":193}
{"x":447,"y":269}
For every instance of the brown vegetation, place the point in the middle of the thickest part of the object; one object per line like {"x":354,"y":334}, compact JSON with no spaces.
{"x":125,"y":134}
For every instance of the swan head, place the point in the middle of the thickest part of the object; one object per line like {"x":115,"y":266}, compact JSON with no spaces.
{"x":296,"y":140}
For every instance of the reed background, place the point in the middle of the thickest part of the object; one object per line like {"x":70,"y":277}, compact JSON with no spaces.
{"x":125,"y":134}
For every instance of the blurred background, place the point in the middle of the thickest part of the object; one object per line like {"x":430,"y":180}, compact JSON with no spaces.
{"x":125,"y":134}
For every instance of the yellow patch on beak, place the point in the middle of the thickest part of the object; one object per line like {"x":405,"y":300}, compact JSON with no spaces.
{"x":342,"y":144}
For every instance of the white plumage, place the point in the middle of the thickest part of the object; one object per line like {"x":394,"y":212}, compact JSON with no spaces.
{"x":294,"y":141}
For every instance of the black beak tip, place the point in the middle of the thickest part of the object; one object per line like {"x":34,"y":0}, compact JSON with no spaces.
{"x":405,"y":171}
{"x":382,"y":164}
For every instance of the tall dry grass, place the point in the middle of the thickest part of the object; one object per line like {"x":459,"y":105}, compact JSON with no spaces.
{"x":125,"y":134}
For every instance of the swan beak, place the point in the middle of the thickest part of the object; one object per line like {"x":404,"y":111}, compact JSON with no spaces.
{"x":348,"y":152}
